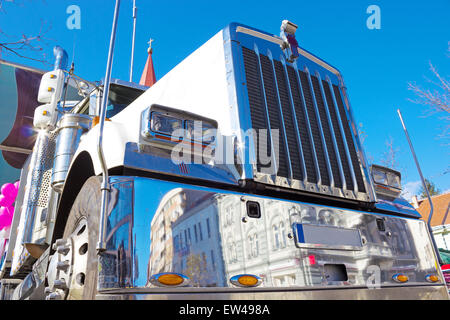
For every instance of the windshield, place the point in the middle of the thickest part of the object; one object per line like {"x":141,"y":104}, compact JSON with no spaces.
{"x":120,"y":97}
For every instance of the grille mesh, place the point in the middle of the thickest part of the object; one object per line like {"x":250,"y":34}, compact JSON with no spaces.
{"x":315,"y":139}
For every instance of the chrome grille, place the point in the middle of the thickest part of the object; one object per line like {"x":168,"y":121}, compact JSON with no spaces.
{"x":315,"y":142}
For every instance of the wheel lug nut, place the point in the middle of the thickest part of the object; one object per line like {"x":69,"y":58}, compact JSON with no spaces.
{"x":63,"y":265}
{"x":60,"y":284}
{"x":59,"y":242}
{"x":63,"y":249}
{"x":54,"y":296}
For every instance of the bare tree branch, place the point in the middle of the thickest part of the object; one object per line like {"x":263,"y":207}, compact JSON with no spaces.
{"x":437,"y":98}
{"x":29,"y":47}
{"x":390,"y":156}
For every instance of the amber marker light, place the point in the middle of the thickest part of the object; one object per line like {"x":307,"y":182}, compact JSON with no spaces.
{"x":246,"y":280}
{"x":401,"y":278}
{"x":432,"y":278}
{"x":169,"y":279}
{"x":96,"y":120}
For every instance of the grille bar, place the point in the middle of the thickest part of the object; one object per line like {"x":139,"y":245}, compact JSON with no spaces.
{"x":328,"y":137}
{"x":315,"y":130}
{"x":257,"y":109}
{"x":303,"y":126}
{"x":273,"y":112}
{"x":348,"y":136}
{"x":348,"y":176}
{"x":289,"y":123}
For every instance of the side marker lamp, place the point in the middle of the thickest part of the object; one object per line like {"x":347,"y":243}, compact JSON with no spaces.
{"x":432,"y":278}
{"x":169,"y":279}
{"x":400,"y":278}
{"x":246,"y":280}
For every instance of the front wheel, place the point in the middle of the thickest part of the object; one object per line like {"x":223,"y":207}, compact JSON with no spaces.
{"x":73,"y":269}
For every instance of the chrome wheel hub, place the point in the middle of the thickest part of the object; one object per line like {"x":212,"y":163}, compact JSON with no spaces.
{"x":67,"y":268}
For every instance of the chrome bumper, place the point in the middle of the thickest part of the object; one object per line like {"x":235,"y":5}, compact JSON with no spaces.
{"x":156,"y":226}
{"x":387,"y":293}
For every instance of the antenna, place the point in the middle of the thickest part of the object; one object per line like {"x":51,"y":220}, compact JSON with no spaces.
{"x":423,"y":184}
{"x":105,"y":187}
{"x":133,"y":40}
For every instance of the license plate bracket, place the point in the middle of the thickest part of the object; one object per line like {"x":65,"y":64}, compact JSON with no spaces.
{"x":327,"y":237}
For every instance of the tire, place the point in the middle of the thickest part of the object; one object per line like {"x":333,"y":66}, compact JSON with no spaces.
{"x":85,"y":212}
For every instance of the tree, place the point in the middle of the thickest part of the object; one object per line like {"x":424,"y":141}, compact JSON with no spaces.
{"x":432,"y":189}
{"x":389,"y":157}
{"x":27,"y":46}
{"x":436,"y":98}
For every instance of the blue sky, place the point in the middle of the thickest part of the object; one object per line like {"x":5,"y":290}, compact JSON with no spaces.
{"x":376,"y":64}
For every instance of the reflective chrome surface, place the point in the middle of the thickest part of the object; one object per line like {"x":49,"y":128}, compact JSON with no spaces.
{"x":332,"y":293}
{"x":336,"y":165}
{"x":158,"y":226}
{"x":158,"y":160}
{"x":70,"y":129}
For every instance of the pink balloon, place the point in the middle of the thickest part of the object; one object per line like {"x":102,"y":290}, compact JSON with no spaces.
{"x":10,"y":211}
{"x":6,"y":201}
{"x":5,"y":218}
{"x":9,"y":190}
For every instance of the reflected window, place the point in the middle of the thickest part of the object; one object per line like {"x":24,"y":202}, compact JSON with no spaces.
{"x":208,"y":227}
{"x":213,"y":261}
{"x":200,"y":231}
{"x":276,"y":243}
{"x":254,"y":246}
{"x":232,"y":253}
{"x":282,"y":235}
{"x":189,"y":235}
{"x":279,"y":236}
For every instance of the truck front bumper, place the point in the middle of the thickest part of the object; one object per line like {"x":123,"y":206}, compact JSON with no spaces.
{"x":427,"y":292}
{"x":209,"y":236}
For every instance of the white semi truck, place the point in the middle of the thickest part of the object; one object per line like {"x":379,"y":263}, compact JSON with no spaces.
{"x":238,"y":175}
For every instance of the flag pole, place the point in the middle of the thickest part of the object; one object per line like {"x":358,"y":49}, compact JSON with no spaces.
{"x":133,"y":39}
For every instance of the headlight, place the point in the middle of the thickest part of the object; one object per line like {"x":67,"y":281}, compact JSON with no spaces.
{"x":200,"y":131}
{"x":162,"y":123}
{"x":387,"y":181}
{"x":379,"y":176}
{"x":167,"y":126}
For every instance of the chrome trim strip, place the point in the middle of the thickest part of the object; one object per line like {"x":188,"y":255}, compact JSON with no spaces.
{"x":319,"y":125}
{"x":367,"y":178}
{"x":313,"y":147}
{"x":238,"y":96}
{"x":333,"y":136}
{"x":347,"y":152}
{"x":260,"y":35}
{"x":318,"y":61}
{"x":294,"y":116}
{"x":279,"y":41}
{"x":282,"y":124}
{"x":269,"y":128}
